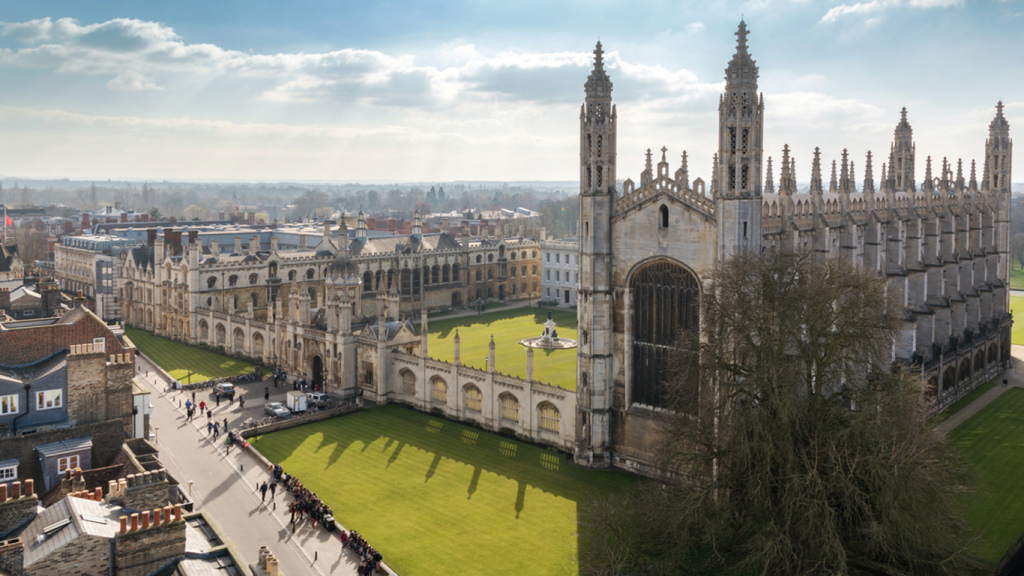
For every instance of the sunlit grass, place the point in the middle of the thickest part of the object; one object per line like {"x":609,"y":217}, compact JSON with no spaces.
{"x":179,"y":359}
{"x":436,"y":497}
{"x":557,"y":367}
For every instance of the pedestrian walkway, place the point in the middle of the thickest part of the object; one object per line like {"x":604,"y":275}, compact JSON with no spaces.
{"x":224,"y":481}
{"x":1015,"y":379}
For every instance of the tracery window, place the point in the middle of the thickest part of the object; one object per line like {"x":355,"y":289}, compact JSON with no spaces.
{"x":550,"y":418}
{"x":509,"y":407}
{"x":439,"y":390}
{"x":665,"y":301}
{"x":232,"y":280}
{"x":474,"y":399}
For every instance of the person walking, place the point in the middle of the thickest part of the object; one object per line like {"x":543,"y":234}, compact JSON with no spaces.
{"x":218,"y":400}
{"x":273,"y":489}
{"x":266,"y":393}
{"x":216,"y":430}
{"x":188,"y":405}
{"x":225,"y":425}
{"x":263,"y":492}
{"x":193,"y":396}
{"x":209,"y":415}
{"x":202,"y":406}
{"x":209,"y":428}
{"x":241,"y":402}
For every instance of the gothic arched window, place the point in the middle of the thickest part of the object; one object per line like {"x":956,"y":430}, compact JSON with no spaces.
{"x":663,"y":216}
{"x":665,"y":301}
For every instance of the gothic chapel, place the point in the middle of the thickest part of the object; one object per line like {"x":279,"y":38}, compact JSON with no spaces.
{"x":648,"y":250}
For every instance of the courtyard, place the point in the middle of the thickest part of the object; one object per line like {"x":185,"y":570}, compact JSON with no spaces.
{"x":991,"y":441}
{"x":179,"y":359}
{"x":437,"y":497}
{"x":555,"y":367}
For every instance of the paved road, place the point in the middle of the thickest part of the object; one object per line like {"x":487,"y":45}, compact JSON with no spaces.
{"x":224,"y":483}
{"x":1015,"y":379}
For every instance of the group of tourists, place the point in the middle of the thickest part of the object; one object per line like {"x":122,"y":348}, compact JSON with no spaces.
{"x":280,"y":375}
{"x":369,"y":557}
{"x":306,"y":504}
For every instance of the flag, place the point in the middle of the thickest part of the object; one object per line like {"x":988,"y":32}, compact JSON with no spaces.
{"x":8,"y":221}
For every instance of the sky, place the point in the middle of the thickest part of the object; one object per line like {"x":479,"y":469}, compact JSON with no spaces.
{"x":389,"y":91}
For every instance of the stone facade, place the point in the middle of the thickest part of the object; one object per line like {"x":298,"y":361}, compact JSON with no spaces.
{"x":647,"y":251}
{"x":560,"y":265}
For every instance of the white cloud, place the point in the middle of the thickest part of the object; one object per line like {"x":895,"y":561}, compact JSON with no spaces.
{"x":868,"y":9}
{"x":140,"y":55}
{"x":133,"y":81}
{"x":695,"y":27}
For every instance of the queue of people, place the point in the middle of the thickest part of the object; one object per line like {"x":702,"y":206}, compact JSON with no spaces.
{"x":306,"y":505}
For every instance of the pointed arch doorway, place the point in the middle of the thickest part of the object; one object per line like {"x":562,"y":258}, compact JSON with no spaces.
{"x":317,"y":372}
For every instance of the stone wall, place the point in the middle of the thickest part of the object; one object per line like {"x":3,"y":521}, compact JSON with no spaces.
{"x":99,"y":386}
{"x":147,"y":490}
{"x":107,"y":439}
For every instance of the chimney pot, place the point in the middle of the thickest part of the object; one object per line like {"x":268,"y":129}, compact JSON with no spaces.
{"x":111,"y":488}
{"x":156,"y":517}
{"x":135,"y":522}
{"x":272,"y":566}
{"x":131,"y":480}
{"x":167,"y":514}
{"x":15,"y":490}
{"x":177,"y":511}
{"x":145,"y":519}
{"x":3,"y":493}
{"x":124,"y":524}
{"x":122,"y":484}
{"x":163,"y":474}
{"x":30,"y":487}
{"x":98,"y":494}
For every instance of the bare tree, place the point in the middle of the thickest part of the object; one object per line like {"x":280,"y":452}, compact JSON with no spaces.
{"x":793,"y":447}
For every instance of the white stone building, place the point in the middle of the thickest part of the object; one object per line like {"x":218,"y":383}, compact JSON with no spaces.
{"x":647,"y":253}
{"x":560,"y":266}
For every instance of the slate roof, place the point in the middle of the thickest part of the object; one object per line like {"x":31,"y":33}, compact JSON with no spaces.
{"x":63,"y":446}
{"x":86,"y":518}
{"x":391,"y":328}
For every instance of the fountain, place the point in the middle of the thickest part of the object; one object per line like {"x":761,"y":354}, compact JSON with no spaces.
{"x":549,"y":339}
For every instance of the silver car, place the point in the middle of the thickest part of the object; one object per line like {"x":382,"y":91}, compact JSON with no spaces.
{"x":276,"y":409}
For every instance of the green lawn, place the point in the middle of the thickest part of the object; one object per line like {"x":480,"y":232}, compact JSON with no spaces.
{"x":962,"y":403}
{"x":437,"y":497}
{"x":178,"y":359}
{"x":1016,"y":277}
{"x":557,"y":367}
{"x":1017,"y":309}
{"x":992,"y":440}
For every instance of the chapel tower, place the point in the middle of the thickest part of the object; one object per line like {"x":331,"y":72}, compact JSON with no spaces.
{"x":740,"y":149}
{"x":901,"y":157}
{"x":998,"y":165}
{"x":595,"y":360}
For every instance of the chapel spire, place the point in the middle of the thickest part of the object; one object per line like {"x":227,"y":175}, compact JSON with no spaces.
{"x":869,"y":176}
{"x":816,"y":185}
{"x":769,"y":183}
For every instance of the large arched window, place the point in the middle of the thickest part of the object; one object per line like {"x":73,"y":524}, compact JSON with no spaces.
{"x":253,"y":279}
{"x":438,"y":390}
{"x":367,"y":281}
{"x":455,"y":272}
{"x":310,"y":273}
{"x":550,"y":418}
{"x":509,"y":407}
{"x":232,"y":280}
{"x":665,"y":302}
{"x":474,"y":399}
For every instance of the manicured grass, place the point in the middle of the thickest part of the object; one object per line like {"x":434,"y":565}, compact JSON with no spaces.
{"x":557,"y":367}
{"x":178,"y":359}
{"x":437,"y":497}
{"x":992,"y":440}
{"x":1017,"y":310}
{"x":1016,"y":277}
{"x":962,"y":403}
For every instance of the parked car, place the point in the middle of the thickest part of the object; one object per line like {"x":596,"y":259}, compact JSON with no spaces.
{"x":276,"y":409}
{"x":317,"y":399}
{"x":224,"y":390}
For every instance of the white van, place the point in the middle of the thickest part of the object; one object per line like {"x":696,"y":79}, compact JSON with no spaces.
{"x":317,"y":398}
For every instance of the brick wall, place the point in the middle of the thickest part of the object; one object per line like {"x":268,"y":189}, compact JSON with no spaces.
{"x":144,"y":551}
{"x":99,"y":387}
{"x":107,"y":439}
{"x":147,"y":490}
{"x":27,"y":345}
{"x":12,"y":557}
{"x":83,"y":556}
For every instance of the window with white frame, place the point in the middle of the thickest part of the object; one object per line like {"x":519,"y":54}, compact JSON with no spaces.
{"x":48,"y":400}
{"x":99,"y":344}
{"x":9,"y":473}
{"x":67,"y":463}
{"x":9,"y":404}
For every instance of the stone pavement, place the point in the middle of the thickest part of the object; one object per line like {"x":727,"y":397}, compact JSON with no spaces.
{"x":1015,"y":379}
{"x":224,"y":482}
